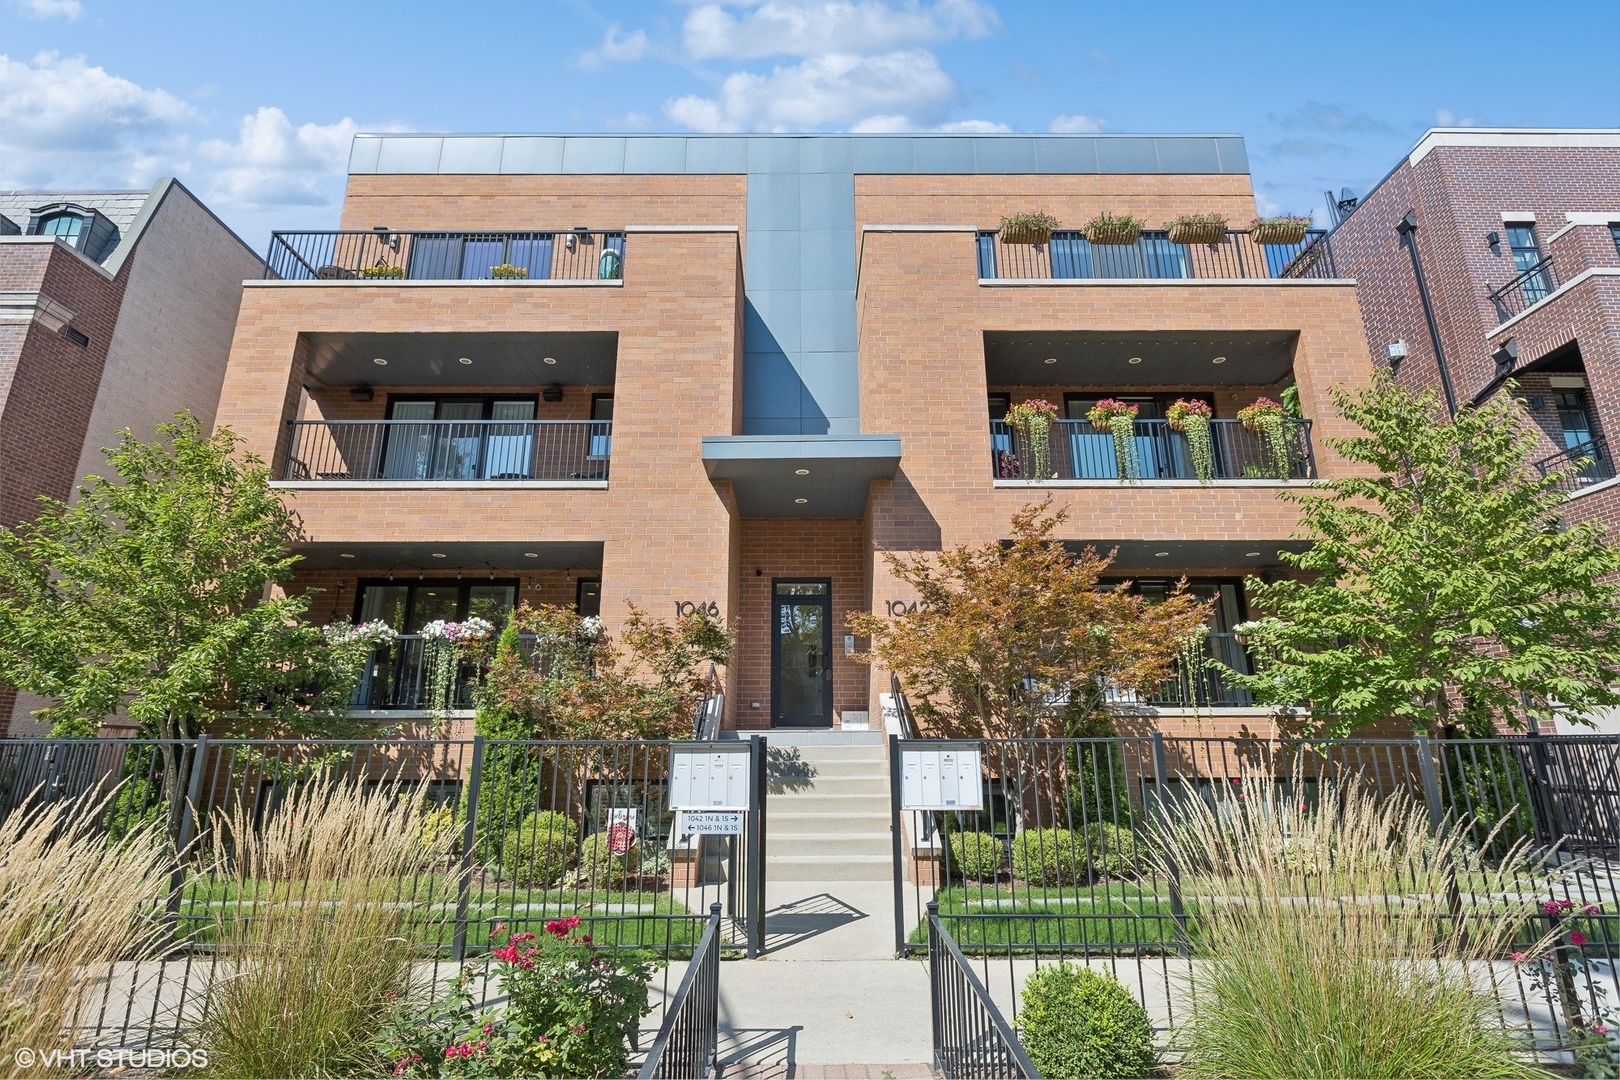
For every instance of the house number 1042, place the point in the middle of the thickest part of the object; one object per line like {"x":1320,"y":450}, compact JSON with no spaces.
{"x":692,"y":607}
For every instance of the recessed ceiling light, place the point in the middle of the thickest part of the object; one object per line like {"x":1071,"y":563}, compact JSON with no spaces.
{"x":1251,"y":554}
{"x":531,"y":554}
{"x":1134,"y":360}
{"x":467,"y":360}
{"x":548,"y":360}
{"x":344,"y":555}
{"x":1051,"y":359}
{"x":801,"y":501}
{"x":379,"y":361}
{"x":1218,"y":360}
{"x":1161,"y":554}
{"x":801,"y":472}
{"x":438,"y":554}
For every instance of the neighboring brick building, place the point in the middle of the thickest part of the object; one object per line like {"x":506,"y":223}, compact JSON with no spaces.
{"x":116,"y":311}
{"x":1517,"y":237}
{"x":795,"y":353}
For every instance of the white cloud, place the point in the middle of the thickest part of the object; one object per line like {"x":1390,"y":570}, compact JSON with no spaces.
{"x":50,"y":9}
{"x":1076,"y":125}
{"x":884,"y":125}
{"x":614,"y":50}
{"x":840,"y":88}
{"x":1447,"y":118}
{"x":751,"y":29}
{"x":273,"y":163}
{"x":63,"y":122}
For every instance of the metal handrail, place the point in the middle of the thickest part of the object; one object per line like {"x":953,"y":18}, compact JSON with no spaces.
{"x":689,"y":1037}
{"x":327,"y":450}
{"x":1077,"y":451}
{"x":710,"y":710}
{"x":1069,"y":255}
{"x":382,"y":256}
{"x":971,"y":1037}
{"x":1513,"y":298}
{"x":902,"y":708}
{"x":1598,"y":467}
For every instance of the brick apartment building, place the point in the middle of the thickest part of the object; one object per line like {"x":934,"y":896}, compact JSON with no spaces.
{"x":1494,"y":254}
{"x":729,"y":371}
{"x":116,"y":311}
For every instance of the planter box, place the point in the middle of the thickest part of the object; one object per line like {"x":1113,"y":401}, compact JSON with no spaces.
{"x":1033,"y":235}
{"x":1280,"y":233}
{"x":1183,"y":232}
{"x":1113,"y":235}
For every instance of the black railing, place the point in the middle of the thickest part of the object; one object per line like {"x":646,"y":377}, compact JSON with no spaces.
{"x":971,"y":1037}
{"x":380,"y":256}
{"x":1595,"y":463}
{"x":326,"y":450}
{"x":396,"y":676}
{"x":902,"y":708}
{"x":690,"y":1035}
{"x":1206,"y":684}
{"x":1070,"y":256}
{"x":1078,"y":451}
{"x":1531,"y":287}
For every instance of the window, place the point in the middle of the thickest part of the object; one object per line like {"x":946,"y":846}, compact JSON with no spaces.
{"x":987,"y":255}
{"x":453,"y":438}
{"x":588,"y":598}
{"x":1573,"y":418}
{"x":1614,"y":233}
{"x":601,"y":426}
{"x":407,"y":607}
{"x":1527,"y":257}
{"x":64,"y":227}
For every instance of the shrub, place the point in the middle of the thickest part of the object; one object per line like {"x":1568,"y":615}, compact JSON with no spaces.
{"x":319,"y":962}
{"x":606,"y":868}
{"x":976,"y":855}
{"x":1077,"y":1022}
{"x":1292,"y":982}
{"x":1111,"y":851}
{"x":570,"y":1011}
{"x":1048,"y":856}
{"x":540,"y":851}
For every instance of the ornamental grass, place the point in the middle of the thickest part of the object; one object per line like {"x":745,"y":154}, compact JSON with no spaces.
{"x":1323,"y":949}
{"x":319,"y":947}
{"x":72,"y":903}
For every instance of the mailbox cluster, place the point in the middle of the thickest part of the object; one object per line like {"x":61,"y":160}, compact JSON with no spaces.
{"x":708,"y":779}
{"x":947,"y":778}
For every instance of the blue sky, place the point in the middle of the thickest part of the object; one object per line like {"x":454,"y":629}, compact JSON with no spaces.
{"x":253,"y":105}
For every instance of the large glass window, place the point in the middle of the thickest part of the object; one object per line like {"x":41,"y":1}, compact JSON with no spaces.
{"x":63,"y":227}
{"x":1573,"y":417}
{"x":409,"y":606}
{"x":457,"y":438}
{"x":1526,"y":257}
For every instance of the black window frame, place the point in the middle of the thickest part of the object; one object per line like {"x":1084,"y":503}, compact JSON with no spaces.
{"x":463,"y":584}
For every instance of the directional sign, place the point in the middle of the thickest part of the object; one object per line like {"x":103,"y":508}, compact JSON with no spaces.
{"x":943,"y":778}
{"x":711,"y":823}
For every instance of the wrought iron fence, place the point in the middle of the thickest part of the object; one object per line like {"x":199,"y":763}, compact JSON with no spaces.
{"x":971,"y":1037}
{"x":1529,"y":288}
{"x":519,"y":814}
{"x":1069,"y":255}
{"x":1593,"y":458}
{"x":1116,"y":909}
{"x":1076,"y":450}
{"x":381,"y":256}
{"x":326,"y":450}
{"x":690,"y":1035}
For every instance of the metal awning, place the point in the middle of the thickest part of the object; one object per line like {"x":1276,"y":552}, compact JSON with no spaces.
{"x":814,"y":476}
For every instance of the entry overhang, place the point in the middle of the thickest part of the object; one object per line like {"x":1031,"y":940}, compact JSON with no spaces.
{"x":811,"y":476}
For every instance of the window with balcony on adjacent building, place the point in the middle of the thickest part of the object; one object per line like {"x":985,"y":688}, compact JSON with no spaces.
{"x":1527,"y":261}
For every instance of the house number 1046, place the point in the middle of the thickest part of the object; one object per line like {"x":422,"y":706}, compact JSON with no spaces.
{"x":692,"y":607}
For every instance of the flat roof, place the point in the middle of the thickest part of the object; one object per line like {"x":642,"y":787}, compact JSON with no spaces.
{"x":929,"y":154}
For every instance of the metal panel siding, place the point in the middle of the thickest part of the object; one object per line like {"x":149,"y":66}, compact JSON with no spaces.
{"x":414,"y":155}
{"x":593,"y":155}
{"x":767,"y":155}
{"x":827,"y":318}
{"x":830,"y":379}
{"x":363,"y":155}
{"x":883,"y":156}
{"x":532,"y":154}
{"x":773,"y":202}
{"x":1066,"y":156}
{"x":1127,"y":156}
{"x":1234,"y":155}
{"x":773,"y":260}
{"x":716,"y":155}
{"x":827,"y":258}
{"x":944,"y":156}
{"x":664,"y":156}
{"x":1004,"y":155}
{"x":1188,"y":156}
{"x":471,"y":155}
{"x":826,"y":154}
{"x":827,"y":201}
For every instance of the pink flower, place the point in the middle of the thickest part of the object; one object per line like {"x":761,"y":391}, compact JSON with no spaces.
{"x":561,"y":928}
{"x":1600,"y":1029}
{"x":1577,"y":938}
{"x":449,"y":1051}
{"x":1517,"y":958}
{"x":500,"y":928}
{"x":399,"y":1067}
{"x":578,"y":1029}
{"x":1591,"y":909}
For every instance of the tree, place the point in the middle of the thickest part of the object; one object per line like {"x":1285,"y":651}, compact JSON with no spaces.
{"x":1003,"y":631}
{"x":148,"y":594}
{"x":1446,"y":575}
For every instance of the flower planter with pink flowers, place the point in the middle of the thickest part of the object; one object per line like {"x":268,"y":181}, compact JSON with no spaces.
{"x":1118,"y":418}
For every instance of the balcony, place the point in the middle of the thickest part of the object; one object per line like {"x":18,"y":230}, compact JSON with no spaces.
{"x":1596,"y":465}
{"x":379,"y":256}
{"x":396,"y":676}
{"x":1070,"y":256}
{"x":1525,"y":291}
{"x":1078,"y":451}
{"x":321,"y":451}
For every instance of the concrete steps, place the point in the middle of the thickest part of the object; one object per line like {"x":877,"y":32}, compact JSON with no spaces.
{"x":828,"y":810}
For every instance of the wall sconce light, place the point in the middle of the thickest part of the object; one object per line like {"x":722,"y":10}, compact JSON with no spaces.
{"x":551,"y":393}
{"x":361,"y":393}
{"x":1493,"y":240}
{"x":1396,"y":351}
{"x":386,"y":237}
{"x":1506,"y":354}
{"x":1538,"y":402}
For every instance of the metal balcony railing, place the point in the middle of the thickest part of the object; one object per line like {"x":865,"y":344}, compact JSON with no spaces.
{"x":396,"y":676}
{"x":381,"y":256}
{"x":1531,"y":287}
{"x":1069,"y":255}
{"x":328,"y":450}
{"x":1078,"y":451}
{"x":1596,"y":465}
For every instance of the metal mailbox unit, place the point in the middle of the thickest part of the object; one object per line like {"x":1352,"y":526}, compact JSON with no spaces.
{"x":710,"y":778}
{"x":946,"y":776}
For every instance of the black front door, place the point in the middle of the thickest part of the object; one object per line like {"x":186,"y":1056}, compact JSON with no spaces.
{"x":801,"y":654}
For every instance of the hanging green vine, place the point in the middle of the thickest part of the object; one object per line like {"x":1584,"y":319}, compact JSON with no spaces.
{"x":1032,"y":420}
{"x":444,"y":646}
{"x":1191,"y":418}
{"x":1269,"y":420}
{"x":1118,"y":418}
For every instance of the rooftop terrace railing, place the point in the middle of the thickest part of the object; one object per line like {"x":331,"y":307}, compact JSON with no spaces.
{"x":405,"y":450}
{"x":1070,"y":256}
{"x":381,"y":256}
{"x":1078,"y":451}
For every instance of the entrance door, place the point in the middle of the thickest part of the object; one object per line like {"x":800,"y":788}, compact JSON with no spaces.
{"x":801,"y":654}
